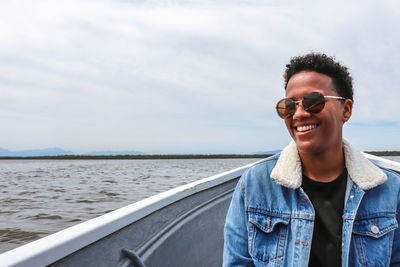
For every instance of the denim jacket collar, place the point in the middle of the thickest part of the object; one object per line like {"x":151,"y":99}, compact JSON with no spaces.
{"x":362,"y":172}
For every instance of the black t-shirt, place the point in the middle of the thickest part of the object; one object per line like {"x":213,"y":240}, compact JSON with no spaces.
{"x":328,"y":202}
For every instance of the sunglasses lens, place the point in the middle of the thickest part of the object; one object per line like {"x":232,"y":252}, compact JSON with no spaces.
{"x":314,"y":102}
{"x":286,"y":108}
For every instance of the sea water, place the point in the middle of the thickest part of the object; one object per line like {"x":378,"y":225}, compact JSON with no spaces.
{"x":40,"y":197}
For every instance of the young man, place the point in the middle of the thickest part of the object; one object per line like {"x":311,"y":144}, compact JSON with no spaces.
{"x":319,"y":202}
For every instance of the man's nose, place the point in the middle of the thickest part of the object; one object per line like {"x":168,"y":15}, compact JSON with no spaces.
{"x":300,"y":112}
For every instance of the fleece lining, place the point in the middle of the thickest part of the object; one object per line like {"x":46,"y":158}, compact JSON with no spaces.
{"x":287,"y":171}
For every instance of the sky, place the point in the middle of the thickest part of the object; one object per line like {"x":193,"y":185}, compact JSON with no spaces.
{"x":166,"y":77}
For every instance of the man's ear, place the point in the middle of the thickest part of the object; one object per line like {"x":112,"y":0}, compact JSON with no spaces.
{"x":348,"y":108}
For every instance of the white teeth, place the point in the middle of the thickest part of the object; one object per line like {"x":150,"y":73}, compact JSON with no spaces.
{"x":305,"y":127}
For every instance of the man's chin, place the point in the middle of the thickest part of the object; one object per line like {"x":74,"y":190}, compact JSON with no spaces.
{"x":308,"y":148}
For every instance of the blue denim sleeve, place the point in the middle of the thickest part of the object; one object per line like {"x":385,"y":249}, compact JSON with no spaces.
{"x":395,"y":260}
{"x":235,"y":232}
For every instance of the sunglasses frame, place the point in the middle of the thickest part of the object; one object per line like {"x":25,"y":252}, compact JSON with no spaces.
{"x":308,"y":109}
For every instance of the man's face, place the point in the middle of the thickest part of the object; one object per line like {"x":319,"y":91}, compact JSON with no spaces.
{"x":323,"y":131}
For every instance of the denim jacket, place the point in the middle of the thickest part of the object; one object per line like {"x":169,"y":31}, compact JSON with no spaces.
{"x":270,"y":219}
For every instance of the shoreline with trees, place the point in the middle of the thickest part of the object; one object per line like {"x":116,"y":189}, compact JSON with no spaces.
{"x":173,"y":156}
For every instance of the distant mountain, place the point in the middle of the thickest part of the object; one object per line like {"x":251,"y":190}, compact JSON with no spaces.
{"x":4,"y":152}
{"x":55,"y":151}
{"x":113,"y":153}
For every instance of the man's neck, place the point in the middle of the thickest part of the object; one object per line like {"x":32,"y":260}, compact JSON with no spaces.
{"x":323,"y":167}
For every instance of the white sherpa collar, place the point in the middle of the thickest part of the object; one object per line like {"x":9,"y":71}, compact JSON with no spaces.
{"x":287,"y":171}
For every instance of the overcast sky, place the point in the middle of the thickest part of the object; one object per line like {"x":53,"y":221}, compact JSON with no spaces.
{"x":185,"y":76}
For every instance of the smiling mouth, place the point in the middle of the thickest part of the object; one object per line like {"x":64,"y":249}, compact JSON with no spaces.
{"x":304,"y":128}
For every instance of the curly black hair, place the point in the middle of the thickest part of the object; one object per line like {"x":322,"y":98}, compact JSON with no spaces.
{"x":321,"y":63}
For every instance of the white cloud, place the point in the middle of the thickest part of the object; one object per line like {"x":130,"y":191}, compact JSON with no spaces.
{"x":184,"y":75}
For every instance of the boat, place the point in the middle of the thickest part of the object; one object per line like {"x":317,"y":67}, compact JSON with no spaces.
{"x":179,"y":227}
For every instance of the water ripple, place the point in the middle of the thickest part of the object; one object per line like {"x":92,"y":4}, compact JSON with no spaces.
{"x":44,"y":196}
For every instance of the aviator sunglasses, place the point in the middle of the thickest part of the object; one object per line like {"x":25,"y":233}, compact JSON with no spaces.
{"x":313,"y":102}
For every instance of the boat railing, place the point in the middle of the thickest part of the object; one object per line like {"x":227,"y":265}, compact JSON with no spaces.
{"x":384,"y":163}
